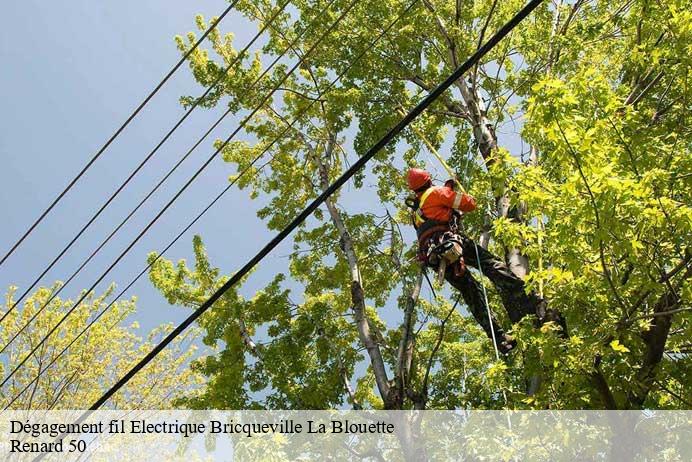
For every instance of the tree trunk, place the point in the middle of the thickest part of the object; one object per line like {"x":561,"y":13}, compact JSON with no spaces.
{"x":406,"y":345}
{"x":655,"y":340}
{"x":357,"y":291}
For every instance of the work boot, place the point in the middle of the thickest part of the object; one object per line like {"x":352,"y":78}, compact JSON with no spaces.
{"x":506,"y":344}
{"x":545,"y":314}
{"x":541,"y":308}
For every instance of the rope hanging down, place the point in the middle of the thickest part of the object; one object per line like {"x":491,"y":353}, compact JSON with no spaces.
{"x":144,"y":161}
{"x":116,"y":134}
{"x":434,"y":152}
{"x":151,"y":193}
{"x":216,"y":199}
{"x":298,"y":220}
{"x":181,"y":190}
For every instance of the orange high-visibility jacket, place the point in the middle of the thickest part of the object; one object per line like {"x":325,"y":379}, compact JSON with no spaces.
{"x":436,"y":203}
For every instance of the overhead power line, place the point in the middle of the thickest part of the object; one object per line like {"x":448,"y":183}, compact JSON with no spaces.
{"x":298,"y":220}
{"x":115,"y":194}
{"x":116,"y":134}
{"x":156,"y":187}
{"x":180,"y":192}
{"x":215,"y":200}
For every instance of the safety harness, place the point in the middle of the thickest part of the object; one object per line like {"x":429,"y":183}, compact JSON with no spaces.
{"x":439,"y":242}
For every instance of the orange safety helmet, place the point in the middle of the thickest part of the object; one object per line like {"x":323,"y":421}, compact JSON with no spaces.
{"x":417,"y":178}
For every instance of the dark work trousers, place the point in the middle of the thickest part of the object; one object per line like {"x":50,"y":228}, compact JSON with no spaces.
{"x":511,"y":288}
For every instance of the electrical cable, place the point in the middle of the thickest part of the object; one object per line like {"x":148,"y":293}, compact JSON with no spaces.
{"x":180,"y":192}
{"x":143,"y":163}
{"x":213,"y":202}
{"x":158,"y":185}
{"x":116,"y":134}
{"x":301,"y":217}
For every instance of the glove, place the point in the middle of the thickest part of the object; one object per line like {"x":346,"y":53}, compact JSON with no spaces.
{"x":412,"y":202}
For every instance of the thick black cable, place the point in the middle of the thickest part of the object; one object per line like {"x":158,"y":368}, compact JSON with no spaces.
{"x":146,"y":159}
{"x":117,"y":133}
{"x":158,"y":185}
{"x":180,"y":192}
{"x":298,"y":220}
{"x":216,"y":199}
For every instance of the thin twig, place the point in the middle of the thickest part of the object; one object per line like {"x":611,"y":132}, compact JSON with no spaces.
{"x":437,"y":345}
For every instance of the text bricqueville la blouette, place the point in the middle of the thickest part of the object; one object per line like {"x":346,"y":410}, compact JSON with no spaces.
{"x":184,"y":429}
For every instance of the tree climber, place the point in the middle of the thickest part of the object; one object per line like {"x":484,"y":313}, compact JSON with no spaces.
{"x":441,"y":246}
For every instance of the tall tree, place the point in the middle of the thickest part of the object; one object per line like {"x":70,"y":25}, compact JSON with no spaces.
{"x":572,"y":135}
{"x":76,"y":379}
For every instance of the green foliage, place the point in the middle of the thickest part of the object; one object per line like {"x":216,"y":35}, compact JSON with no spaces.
{"x":601,"y":209}
{"x":95,"y":362}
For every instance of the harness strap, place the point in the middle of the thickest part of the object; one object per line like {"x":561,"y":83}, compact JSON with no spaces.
{"x":429,"y":228}
{"x":419,"y":218}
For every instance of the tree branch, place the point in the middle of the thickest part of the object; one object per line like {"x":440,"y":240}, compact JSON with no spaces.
{"x":405,"y":354}
{"x":440,"y":336}
{"x":655,"y":339}
{"x":357,"y":291}
{"x":674,"y":395}
{"x":602,"y":385}
{"x":592,"y":198}
{"x":474,"y":74}
{"x":347,"y":384}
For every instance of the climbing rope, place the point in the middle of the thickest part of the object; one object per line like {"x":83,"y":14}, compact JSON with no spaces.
{"x":490,"y":321}
{"x":434,"y":152}
{"x":487,"y":305}
{"x":432,"y":289}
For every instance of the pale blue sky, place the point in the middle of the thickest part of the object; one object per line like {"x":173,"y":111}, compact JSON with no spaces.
{"x":72,"y":72}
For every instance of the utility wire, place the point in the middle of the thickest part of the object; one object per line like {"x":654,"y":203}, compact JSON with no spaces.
{"x":146,"y":159}
{"x":142,"y":164}
{"x":116,"y":134}
{"x":216,"y":199}
{"x":298,"y":220}
{"x":158,"y":185}
{"x":180,"y":192}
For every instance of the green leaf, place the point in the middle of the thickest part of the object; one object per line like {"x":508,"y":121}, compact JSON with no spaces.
{"x":615,"y":345}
